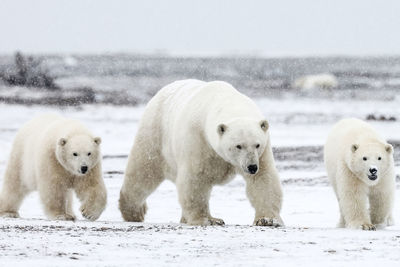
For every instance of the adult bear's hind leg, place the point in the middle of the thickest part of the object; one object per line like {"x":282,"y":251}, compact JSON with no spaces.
{"x":143,"y":175}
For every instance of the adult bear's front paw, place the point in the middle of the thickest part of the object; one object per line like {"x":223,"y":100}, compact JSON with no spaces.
{"x":264,"y":221}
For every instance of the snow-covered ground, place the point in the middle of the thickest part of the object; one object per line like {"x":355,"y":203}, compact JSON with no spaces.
{"x":310,"y":209}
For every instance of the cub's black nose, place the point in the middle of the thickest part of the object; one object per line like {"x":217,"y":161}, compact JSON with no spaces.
{"x":373,"y":171}
{"x":84,"y":169}
{"x":252,"y":168}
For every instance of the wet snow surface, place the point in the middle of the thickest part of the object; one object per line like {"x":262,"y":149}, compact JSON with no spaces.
{"x":298,"y":130}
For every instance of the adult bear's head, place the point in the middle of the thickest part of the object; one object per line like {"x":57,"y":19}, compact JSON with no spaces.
{"x":242,"y":142}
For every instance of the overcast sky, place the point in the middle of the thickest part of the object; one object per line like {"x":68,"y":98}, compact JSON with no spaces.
{"x":202,"y":27}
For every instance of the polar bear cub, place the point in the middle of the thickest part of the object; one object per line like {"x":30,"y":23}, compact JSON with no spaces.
{"x":360,"y":167}
{"x":200,"y":134}
{"x":55,"y":155}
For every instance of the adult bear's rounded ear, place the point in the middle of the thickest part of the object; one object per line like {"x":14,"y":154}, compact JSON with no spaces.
{"x":97,"y":140}
{"x":221,"y":129}
{"x":62,"y":141}
{"x":389,"y":148}
{"x":354,"y":147}
{"x":264,"y":125}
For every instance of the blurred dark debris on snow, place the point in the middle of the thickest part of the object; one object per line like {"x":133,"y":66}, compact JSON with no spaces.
{"x":131,"y":79}
{"x":373,"y":117}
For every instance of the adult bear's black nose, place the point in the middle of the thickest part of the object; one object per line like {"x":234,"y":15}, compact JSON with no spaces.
{"x":252,"y":168}
{"x":84,"y":169}
{"x":373,"y":171}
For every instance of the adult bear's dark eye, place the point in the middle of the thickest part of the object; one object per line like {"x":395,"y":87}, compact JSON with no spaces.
{"x":379,"y":158}
{"x":89,"y":154}
{"x":364,"y":158}
{"x":258,"y":145}
{"x":239,"y":147}
{"x":75,"y":154}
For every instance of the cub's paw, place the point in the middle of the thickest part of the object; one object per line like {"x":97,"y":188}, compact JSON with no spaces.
{"x":65,"y":217}
{"x":205,"y":221}
{"x":183,"y":220}
{"x":90,"y":213}
{"x":9,"y":214}
{"x":362,"y":226}
{"x":272,"y":222}
{"x":215,"y":221}
{"x":368,"y":227}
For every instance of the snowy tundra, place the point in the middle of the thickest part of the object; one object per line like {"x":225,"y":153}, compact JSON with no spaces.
{"x":200,"y":134}
{"x":298,"y":130}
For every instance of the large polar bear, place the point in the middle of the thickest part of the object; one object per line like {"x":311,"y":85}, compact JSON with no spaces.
{"x":200,"y":134}
{"x":361,"y":169}
{"x":55,"y":155}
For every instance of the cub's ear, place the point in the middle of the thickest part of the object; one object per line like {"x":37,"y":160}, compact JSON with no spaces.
{"x":97,"y":140}
{"x":221,"y":129}
{"x":354,"y":147}
{"x":389,"y":148}
{"x":264,"y":125}
{"x":62,"y":141}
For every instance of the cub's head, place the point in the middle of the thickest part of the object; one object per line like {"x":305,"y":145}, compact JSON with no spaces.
{"x":242,"y":142}
{"x":78,"y":154}
{"x":370,"y":161}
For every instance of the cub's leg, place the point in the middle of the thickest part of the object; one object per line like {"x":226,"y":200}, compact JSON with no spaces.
{"x":352,"y":197}
{"x":54,"y":195}
{"x":381,"y":200}
{"x":92,"y":193}
{"x":341,"y":223}
{"x":390,"y":220}
{"x":70,"y":202}
{"x":13,"y":191}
